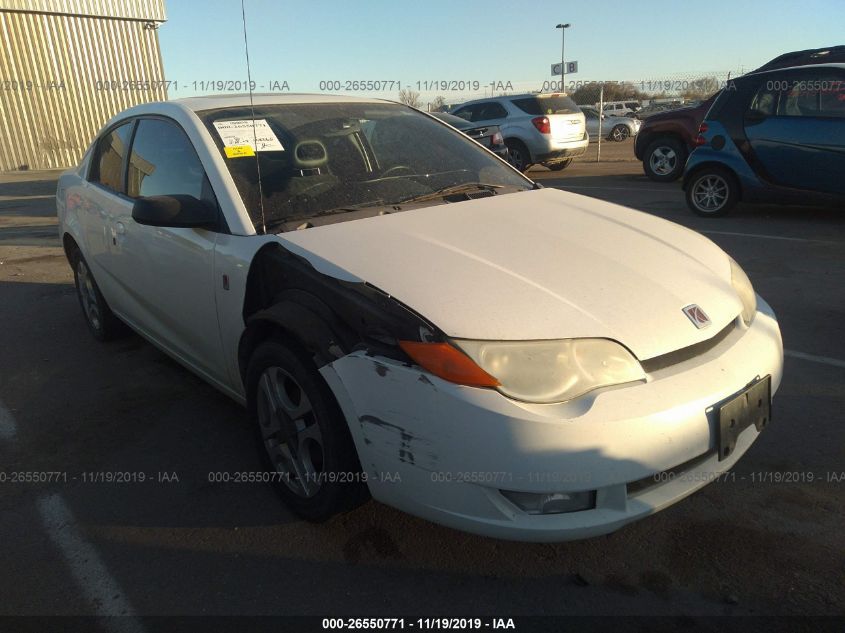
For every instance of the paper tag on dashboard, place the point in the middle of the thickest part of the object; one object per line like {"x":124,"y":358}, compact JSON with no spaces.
{"x":256,"y":134}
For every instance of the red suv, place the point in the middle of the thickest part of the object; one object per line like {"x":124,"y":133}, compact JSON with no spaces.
{"x":666,"y":139}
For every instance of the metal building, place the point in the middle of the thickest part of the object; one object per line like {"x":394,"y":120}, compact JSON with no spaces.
{"x":66,"y":67}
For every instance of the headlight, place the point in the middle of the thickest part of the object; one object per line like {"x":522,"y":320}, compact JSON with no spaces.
{"x":553,"y":371}
{"x":743,"y":287}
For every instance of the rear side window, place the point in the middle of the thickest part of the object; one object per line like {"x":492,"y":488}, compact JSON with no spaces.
{"x":814,"y":96}
{"x":546,"y":105}
{"x":165,"y":163}
{"x":466,"y":112}
{"x":107,"y":163}
{"x":482,"y":111}
{"x":491,"y":110}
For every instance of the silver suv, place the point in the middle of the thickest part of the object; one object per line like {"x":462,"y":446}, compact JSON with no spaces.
{"x":547,"y":129}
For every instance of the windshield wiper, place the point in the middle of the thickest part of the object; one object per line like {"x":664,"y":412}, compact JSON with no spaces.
{"x":334,"y":211}
{"x":466,"y":187}
{"x":348,"y":209}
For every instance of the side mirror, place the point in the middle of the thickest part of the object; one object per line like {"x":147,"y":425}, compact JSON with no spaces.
{"x":175,"y":211}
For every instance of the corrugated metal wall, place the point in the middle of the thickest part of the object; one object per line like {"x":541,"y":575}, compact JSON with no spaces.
{"x":62,"y":76}
{"x":132,"y":9}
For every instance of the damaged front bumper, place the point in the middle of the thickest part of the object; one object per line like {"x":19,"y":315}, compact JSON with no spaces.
{"x":463,"y":456}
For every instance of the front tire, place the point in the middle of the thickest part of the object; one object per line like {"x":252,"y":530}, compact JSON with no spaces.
{"x":102,"y":322}
{"x":619,"y":133}
{"x":712,"y":192}
{"x":302,"y":434}
{"x":664,"y":160}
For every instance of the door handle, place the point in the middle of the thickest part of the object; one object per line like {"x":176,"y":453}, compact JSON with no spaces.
{"x":121,"y":229}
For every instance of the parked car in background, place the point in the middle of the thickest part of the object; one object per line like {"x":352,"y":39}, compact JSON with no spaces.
{"x":397,"y":308}
{"x":775,"y":136}
{"x":619,"y":108}
{"x":666,"y":139}
{"x":613,"y":129}
{"x":488,"y":135}
{"x":546,"y":129}
{"x":655,"y":108}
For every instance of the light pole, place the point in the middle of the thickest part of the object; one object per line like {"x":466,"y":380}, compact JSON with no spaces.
{"x":562,"y":28}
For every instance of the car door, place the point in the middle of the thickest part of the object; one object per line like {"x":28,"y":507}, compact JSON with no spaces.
{"x":102,"y":199}
{"x":168,"y":272}
{"x":795,"y":125}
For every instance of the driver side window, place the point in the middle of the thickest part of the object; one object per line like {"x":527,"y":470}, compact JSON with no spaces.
{"x":163,"y":162}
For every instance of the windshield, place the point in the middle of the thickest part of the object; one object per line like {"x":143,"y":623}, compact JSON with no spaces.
{"x":325,"y":158}
{"x":553,"y":104}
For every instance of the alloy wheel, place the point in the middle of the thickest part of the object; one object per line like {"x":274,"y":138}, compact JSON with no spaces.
{"x":710,"y":193}
{"x":88,"y":294}
{"x":663,"y":161}
{"x":290,"y":431}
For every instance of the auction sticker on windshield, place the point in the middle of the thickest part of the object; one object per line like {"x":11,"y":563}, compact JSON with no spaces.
{"x":256,"y":134}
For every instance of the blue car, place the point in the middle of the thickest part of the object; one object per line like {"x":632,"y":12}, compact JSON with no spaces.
{"x":773,"y":135}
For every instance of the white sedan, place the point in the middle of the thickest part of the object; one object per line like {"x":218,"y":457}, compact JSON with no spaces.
{"x":406,"y":316}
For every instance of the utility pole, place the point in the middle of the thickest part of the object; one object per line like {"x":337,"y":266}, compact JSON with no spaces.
{"x":563,"y":28}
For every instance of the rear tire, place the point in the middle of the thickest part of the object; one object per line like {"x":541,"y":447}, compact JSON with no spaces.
{"x":664,"y":160}
{"x":559,"y":165}
{"x":102,"y":322}
{"x":712,"y":192}
{"x":518,"y":154}
{"x":302,"y":434}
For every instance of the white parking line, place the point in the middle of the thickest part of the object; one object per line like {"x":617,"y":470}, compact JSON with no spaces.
{"x":8,"y":427}
{"x":91,"y":575}
{"x":768,"y":237}
{"x":824,"y":360}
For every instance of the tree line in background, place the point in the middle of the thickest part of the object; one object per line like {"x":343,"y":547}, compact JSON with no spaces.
{"x":588,"y":94}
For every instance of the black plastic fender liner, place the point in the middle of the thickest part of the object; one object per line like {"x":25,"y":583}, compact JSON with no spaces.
{"x":304,"y":325}
{"x":327,"y":316}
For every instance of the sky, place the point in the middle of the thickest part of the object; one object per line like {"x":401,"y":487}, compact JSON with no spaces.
{"x":304,"y":43}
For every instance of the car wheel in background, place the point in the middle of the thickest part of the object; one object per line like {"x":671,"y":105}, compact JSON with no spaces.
{"x":102,"y":322}
{"x":712,"y":192}
{"x":563,"y":164}
{"x":518,"y":154}
{"x":302,"y":434}
{"x":619,"y":133}
{"x":664,"y":160}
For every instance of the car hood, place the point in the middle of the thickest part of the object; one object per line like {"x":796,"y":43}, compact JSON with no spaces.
{"x":542,"y":264}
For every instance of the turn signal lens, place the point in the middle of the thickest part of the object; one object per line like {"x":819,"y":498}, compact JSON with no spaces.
{"x":448,"y":363}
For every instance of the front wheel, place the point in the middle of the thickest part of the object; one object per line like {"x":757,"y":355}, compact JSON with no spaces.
{"x":712,"y":192}
{"x":302,"y":434}
{"x":619,"y":133}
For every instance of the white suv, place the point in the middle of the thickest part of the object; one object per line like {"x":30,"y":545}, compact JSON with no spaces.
{"x":548,"y":129}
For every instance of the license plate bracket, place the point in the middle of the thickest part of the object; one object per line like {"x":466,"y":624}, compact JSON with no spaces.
{"x":753,"y":405}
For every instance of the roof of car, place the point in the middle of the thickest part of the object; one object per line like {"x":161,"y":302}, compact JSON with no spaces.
{"x":522,"y":95}
{"x":810,"y":56}
{"x":213,"y":102}
{"x":773,"y":69}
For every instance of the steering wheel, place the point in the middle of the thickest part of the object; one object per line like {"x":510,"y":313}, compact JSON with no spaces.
{"x":395,"y":168}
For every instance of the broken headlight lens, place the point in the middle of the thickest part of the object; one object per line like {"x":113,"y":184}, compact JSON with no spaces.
{"x":743,"y":287}
{"x":553,"y":371}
